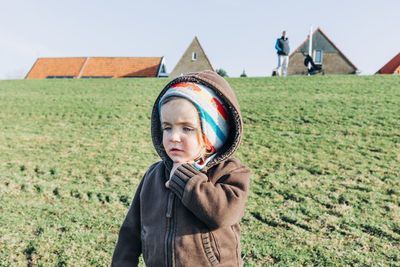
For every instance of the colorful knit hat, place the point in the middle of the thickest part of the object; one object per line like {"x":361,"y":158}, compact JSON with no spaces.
{"x":213,"y":114}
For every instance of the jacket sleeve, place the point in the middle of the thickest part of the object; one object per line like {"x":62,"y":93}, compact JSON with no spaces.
{"x":216,"y":204}
{"x":129,"y":247}
{"x":277,"y":45}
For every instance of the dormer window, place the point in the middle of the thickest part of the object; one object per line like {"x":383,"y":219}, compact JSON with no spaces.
{"x":194,"y":56}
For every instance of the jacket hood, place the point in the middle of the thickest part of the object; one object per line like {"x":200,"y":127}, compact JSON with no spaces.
{"x":221,"y":87}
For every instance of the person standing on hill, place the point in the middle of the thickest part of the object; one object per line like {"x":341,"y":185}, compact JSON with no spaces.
{"x":283,"y":49}
{"x":187,"y":207}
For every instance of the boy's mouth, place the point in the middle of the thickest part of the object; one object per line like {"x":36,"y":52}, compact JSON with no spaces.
{"x":175,"y":150}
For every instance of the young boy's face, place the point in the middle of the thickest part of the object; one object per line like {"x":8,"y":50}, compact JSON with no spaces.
{"x":181,"y":126}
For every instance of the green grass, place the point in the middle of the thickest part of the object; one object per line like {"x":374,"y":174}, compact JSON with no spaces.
{"x":324,"y":151}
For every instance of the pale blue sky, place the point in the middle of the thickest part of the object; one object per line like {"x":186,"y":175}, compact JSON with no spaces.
{"x":235,"y":34}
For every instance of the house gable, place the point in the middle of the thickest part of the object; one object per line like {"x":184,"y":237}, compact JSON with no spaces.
{"x":194,"y":59}
{"x":397,"y":70}
{"x":162,"y":69}
{"x":333,"y":60}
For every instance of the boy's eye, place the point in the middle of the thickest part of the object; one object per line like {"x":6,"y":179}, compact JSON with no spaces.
{"x":166,"y":128}
{"x":187,"y":129}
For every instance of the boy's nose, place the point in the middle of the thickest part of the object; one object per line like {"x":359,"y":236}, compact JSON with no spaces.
{"x":175,"y":136}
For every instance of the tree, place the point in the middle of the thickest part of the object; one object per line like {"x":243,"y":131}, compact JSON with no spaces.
{"x":222,"y":72}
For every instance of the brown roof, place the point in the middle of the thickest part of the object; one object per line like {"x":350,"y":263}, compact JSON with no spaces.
{"x":115,"y":67}
{"x":393,"y":66}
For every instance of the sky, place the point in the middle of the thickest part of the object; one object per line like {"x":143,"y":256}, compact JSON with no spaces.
{"x":236,"y":35}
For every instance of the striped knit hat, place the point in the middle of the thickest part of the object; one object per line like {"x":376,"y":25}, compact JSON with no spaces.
{"x":213,"y":114}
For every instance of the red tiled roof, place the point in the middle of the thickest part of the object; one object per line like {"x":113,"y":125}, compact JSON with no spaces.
{"x":393,"y":66}
{"x":122,"y":66}
{"x":115,"y":67}
{"x":44,"y":67}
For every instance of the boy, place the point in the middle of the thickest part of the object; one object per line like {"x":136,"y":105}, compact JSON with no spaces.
{"x":187,"y":208}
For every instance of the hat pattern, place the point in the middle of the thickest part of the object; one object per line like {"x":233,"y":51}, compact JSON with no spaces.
{"x":213,"y":114}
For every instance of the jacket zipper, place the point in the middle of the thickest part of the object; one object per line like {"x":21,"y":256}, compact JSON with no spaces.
{"x":170,"y":228}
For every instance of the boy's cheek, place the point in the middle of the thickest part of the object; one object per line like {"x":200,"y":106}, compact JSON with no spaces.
{"x":164,"y":141}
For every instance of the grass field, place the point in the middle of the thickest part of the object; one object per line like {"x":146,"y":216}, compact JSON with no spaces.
{"x":324,"y":151}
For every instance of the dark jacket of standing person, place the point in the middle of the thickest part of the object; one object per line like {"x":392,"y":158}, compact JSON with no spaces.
{"x":282,"y":46}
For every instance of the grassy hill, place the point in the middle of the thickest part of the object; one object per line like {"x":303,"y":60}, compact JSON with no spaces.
{"x":324,"y":151}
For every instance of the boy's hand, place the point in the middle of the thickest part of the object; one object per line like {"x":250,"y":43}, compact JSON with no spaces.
{"x":174,"y":167}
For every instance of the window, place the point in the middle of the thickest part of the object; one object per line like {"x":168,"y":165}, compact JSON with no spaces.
{"x":194,"y":56}
{"x":96,"y":77}
{"x":59,"y":77}
{"x":318,"y":56}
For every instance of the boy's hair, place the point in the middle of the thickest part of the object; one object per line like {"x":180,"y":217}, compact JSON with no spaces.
{"x":205,"y":153}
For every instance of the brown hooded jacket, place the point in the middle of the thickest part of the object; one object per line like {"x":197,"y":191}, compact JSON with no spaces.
{"x":196,"y":221}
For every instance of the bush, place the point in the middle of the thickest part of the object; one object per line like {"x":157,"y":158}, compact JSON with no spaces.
{"x":222,"y":73}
